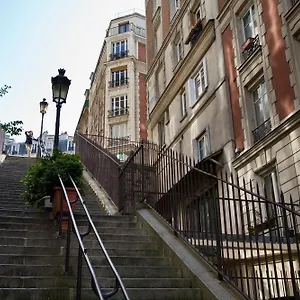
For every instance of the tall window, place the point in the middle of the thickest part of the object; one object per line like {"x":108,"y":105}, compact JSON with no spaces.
{"x":161,"y":132}
{"x":123,"y":27}
{"x":271,"y":193}
{"x":119,"y":105}
{"x":119,"y":77}
{"x":197,"y":14}
{"x":198,"y":82}
{"x":119,"y":48}
{"x":183,"y":103}
{"x":201,"y":147}
{"x":249,"y":23}
{"x":179,"y":54}
{"x":118,"y":130}
{"x":261,"y":104}
{"x":174,"y":6}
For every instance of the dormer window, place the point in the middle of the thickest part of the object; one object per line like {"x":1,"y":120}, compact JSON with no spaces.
{"x":124,"y":27}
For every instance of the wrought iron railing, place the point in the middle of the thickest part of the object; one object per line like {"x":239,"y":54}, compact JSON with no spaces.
{"x":122,"y":29}
{"x":262,"y":130}
{"x":118,"y":112}
{"x":250,"y":45}
{"x":118,"y":55}
{"x":83,"y":251}
{"x":251,"y":242}
{"x":116,"y":83}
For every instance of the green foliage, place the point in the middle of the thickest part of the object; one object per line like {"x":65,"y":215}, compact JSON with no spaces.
{"x":42,"y":177}
{"x":4,"y":90}
{"x":13,"y":127}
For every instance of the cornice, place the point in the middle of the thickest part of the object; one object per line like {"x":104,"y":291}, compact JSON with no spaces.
{"x":191,"y":60}
{"x":272,"y":138}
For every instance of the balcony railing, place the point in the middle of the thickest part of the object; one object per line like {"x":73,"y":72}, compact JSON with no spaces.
{"x":118,"y":55}
{"x":121,"y":82}
{"x":119,"y":30}
{"x":250,"y":45}
{"x":261,"y":131}
{"x":118,"y":112}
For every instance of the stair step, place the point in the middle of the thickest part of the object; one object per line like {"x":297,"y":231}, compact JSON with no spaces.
{"x":69,"y":293}
{"x":106,"y":282}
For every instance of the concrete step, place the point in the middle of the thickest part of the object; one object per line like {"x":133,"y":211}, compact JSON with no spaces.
{"x":87,"y":294}
{"x":68,"y":281}
{"x":99,"y":260}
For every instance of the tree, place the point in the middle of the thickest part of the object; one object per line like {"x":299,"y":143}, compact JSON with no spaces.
{"x":13,"y":127}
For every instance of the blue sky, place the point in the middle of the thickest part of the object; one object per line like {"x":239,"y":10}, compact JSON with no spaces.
{"x":39,"y":36}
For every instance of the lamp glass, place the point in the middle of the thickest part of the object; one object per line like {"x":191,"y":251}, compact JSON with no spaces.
{"x":43,"y":107}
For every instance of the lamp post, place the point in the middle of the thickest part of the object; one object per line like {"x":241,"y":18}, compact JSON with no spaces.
{"x":43,"y":110}
{"x":60,"y":88}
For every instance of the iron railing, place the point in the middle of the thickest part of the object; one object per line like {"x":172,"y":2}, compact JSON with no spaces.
{"x":118,"y":112}
{"x":262,"y":130}
{"x":103,"y":165}
{"x":83,"y":251}
{"x":116,"y":83}
{"x":118,"y":55}
{"x":130,"y":27}
{"x":250,"y":45}
{"x":252,"y":242}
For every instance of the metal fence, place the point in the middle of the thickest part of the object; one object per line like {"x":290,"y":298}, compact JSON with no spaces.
{"x":252,"y":242}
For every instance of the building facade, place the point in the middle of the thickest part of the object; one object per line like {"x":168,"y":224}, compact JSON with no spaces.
{"x":188,"y":105}
{"x":115,"y":103}
{"x":261,"y":49}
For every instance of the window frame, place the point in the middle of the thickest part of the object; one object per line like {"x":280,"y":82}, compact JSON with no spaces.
{"x":117,"y":99}
{"x":119,"y":131}
{"x":161,"y":132}
{"x":196,"y":146}
{"x":252,"y":12}
{"x":113,"y":46}
{"x":194,"y":92}
{"x":183,"y":103}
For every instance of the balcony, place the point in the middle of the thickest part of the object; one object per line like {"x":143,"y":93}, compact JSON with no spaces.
{"x":250,"y":45}
{"x":126,"y":28}
{"x":118,"y":55}
{"x":121,"y":82}
{"x":194,"y":34}
{"x":121,"y":111}
{"x":261,"y":131}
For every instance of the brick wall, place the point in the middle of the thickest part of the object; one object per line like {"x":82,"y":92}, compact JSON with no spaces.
{"x":141,"y":52}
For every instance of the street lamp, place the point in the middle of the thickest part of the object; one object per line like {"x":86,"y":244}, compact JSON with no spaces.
{"x":43,"y":110}
{"x":60,"y":88}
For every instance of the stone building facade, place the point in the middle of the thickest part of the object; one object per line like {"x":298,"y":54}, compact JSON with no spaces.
{"x":261,"y":48}
{"x":188,"y":105}
{"x":115,"y":104}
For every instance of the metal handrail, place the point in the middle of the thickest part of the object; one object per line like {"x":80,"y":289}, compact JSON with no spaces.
{"x":83,"y":251}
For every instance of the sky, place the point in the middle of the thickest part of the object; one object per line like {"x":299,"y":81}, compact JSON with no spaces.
{"x":37,"y":37}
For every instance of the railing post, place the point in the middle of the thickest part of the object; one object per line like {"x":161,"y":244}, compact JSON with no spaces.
{"x":67,"y":261}
{"x":61,"y":214}
{"x":79,"y":274}
{"x":143,"y":171}
{"x":288,"y":242}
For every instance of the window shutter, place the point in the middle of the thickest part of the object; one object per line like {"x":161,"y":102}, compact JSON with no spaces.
{"x":208,"y":148}
{"x":196,"y":150}
{"x":204,"y":61}
{"x":192,"y":94}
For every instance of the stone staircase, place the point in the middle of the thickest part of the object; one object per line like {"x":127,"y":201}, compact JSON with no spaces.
{"x":32,"y":258}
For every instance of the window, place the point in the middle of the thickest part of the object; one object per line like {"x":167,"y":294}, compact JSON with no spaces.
{"x":179,"y":54}
{"x":183,"y":104}
{"x":119,"y":78}
{"x":198,"y":83}
{"x":197,"y":15}
{"x":249,"y":23}
{"x":167,"y":116}
{"x":201,"y":147}
{"x":123,"y":27}
{"x":271,"y":193}
{"x":161,"y":132}
{"x":174,"y":6}
{"x":119,"y":49}
{"x":155,"y":43}
{"x":119,"y":106}
{"x":118,"y":130}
